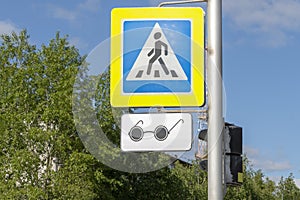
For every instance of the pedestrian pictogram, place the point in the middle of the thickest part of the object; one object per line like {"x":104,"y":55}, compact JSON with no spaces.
{"x":156,"y":60}
{"x":157,"y":53}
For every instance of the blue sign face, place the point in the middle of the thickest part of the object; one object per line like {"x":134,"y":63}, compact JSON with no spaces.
{"x":156,"y":56}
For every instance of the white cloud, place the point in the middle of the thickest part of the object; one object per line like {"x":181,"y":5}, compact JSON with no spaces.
{"x":90,"y":5}
{"x":250,"y":152}
{"x":61,"y":13}
{"x":7,"y":27}
{"x":155,"y":2}
{"x":77,"y":12}
{"x":297,"y":181}
{"x":272,"y":21}
{"x":270,"y":165}
{"x":260,"y":161}
{"x":78,"y":43}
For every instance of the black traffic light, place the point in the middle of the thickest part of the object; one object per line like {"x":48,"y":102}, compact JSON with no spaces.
{"x":201,"y":154}
{"x":233,"y":150}
{"x":233,"y":147}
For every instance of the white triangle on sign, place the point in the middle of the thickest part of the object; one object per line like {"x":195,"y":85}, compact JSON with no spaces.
{"x":158,"y":51}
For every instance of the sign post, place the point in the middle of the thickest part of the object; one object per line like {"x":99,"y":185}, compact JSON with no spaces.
{"x":215,"y":101}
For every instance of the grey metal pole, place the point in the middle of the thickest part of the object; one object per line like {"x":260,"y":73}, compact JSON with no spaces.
{"x":215,"y":101}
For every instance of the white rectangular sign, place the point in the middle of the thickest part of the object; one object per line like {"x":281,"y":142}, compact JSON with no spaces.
{"x":156,"y":132}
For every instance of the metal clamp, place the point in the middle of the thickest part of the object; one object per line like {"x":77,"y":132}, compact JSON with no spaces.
{"x":180,"y":2}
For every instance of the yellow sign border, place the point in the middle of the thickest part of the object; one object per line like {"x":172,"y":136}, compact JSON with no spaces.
{"x":197,"y":95}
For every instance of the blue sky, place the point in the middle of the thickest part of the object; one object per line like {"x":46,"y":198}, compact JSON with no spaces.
{"x":261,"y":46}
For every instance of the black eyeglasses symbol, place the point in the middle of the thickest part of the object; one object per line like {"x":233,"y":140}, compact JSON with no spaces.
{"x":161,"y":132}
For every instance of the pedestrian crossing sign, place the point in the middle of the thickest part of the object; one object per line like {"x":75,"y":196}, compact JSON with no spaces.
{"x":157,"y":57}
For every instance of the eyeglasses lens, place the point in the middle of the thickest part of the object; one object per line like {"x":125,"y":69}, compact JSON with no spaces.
{"x":161,"y":133}
{"x":136,"y":133}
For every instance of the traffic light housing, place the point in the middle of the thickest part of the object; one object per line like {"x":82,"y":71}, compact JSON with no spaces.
{"x":233,"y":150}
{"x":202,"y":153}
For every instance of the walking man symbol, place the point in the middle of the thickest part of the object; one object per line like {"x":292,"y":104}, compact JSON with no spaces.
{"x":156,"y":60}
{"x":157,"y":50}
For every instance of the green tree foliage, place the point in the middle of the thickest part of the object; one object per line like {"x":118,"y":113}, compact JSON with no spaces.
{"x":105,"y":113}
{"x":287,"y":188}
{"x":255,"y":186}
{"x":42,"y":156}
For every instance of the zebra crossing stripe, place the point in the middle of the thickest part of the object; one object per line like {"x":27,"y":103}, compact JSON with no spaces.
{"x":156,"y":74}
{"x":174,"y":73}
{"x":139,"y":74}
